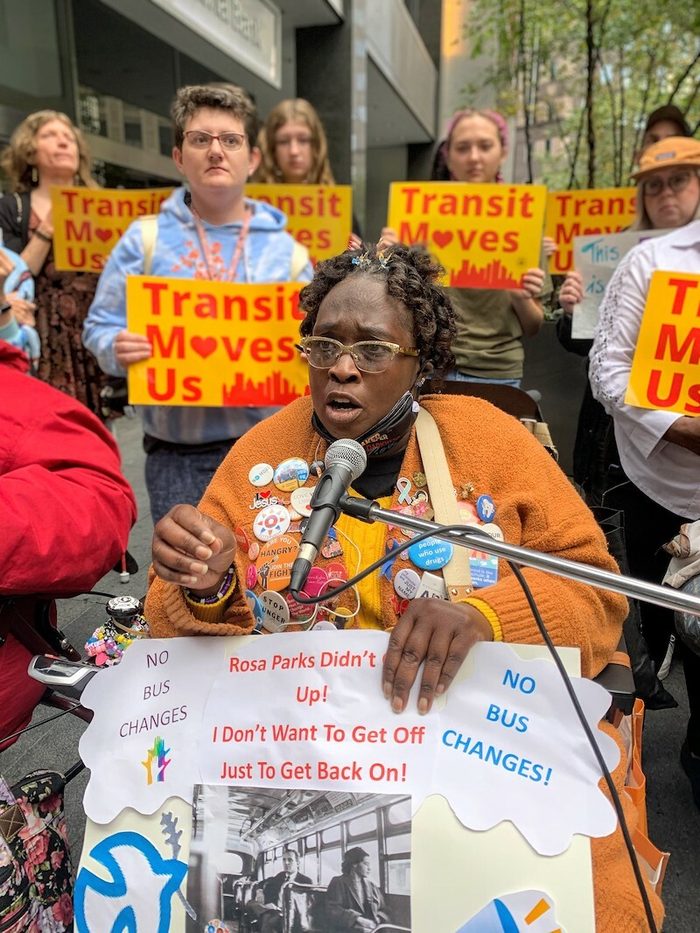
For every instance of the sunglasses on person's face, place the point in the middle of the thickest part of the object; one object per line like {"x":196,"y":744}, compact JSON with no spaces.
{"x":675,"y":183}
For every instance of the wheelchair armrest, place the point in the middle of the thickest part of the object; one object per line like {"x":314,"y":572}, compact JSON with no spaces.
{"x":56,"y":700}
{"x":617,"y":679}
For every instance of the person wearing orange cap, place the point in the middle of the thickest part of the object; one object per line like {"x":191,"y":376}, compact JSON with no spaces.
{"x":591,"y":448}
{"x":657,"y":488}
{"x":667,"y":180}
{"x":595,"y":456}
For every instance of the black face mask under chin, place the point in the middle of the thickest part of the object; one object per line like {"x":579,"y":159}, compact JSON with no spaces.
{"x":389,"y":435}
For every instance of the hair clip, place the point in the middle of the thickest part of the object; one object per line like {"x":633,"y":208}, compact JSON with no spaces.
{"x":383,"y":259}
{"x":365,"y":261}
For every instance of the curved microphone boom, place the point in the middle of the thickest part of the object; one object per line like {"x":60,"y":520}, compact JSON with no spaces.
{"x":345,"y":461}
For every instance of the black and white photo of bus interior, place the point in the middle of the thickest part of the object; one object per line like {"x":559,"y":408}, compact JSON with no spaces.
{"x":238,"y":838}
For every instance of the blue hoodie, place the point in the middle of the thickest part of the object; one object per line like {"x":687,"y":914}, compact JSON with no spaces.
{"x":267,"y":257}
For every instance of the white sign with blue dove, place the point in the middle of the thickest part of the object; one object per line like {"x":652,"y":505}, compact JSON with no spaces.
{"x":307,"y":711}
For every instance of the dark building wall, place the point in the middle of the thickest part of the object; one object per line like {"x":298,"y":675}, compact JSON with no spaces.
{"x":323,"y":77}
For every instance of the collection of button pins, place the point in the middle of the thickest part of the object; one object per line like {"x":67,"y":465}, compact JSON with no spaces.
{"x":272,"y":554}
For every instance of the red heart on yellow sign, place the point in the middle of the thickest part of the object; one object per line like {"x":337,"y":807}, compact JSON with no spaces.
{"x":442,"y":237}
{"x":204,"y":346}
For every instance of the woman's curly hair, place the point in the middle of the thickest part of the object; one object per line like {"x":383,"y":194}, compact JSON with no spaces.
{"x":411,"y":276}
{"x":17,"y":159}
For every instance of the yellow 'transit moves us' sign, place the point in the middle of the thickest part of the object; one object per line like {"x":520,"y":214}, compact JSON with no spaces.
{"x":486,"y":236}
{"x":665,"y":370}
{"x":583,"y":213}
{"x":215,"y":343}
{"x":88,"y":222}
{"x":318,"y":216}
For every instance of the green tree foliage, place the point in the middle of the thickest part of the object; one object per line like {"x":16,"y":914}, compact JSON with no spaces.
{"x":587,"y":72}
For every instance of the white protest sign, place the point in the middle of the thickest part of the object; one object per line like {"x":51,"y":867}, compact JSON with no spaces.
{"x":148,"y":717}
{"x":520,"y":762}
{"x":596,"y":257}
{"x":306,"y":710}
{"x":324,"y":722}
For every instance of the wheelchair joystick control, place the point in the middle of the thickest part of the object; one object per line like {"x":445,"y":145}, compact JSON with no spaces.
{"x":68,"y":678}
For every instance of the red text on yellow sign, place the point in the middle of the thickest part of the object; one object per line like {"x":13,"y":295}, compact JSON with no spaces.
{"x":580,"y":213}
{"x":215,"y":343}
{"x":665,"y":370}
{"x":88,"y":222}
{"x":318,"y":216}
{"x":486,"y":236}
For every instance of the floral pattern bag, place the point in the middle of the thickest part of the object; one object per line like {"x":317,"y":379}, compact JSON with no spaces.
{"x":36,"y":876}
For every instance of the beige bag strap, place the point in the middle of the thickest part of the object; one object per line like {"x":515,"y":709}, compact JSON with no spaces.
{"x":457,"y":576}
{"x":149,"y":232}
{"x":300,"y":259}
{"x":541,"y":432}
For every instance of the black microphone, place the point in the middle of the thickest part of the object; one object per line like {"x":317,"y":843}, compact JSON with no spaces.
{"x":345,"y":461}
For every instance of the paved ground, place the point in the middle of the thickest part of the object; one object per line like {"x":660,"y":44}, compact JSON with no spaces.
{"x":674,"y":821}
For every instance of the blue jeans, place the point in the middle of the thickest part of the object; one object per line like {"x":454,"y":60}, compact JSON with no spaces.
{"x":175,"y":476}
{"x":465,"y":377}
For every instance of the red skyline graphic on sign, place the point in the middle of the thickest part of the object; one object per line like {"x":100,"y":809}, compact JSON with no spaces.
{"x":275,"y":390}
{"x":493,"y":275}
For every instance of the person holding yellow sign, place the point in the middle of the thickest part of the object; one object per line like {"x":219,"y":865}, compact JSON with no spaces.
{"x":491,"y":323}
{"x":47,"y":149}
{"x":594,"y":447}
{"x":294,"y":152}
{"x":659,"y":449}
{"x":209,"y":231}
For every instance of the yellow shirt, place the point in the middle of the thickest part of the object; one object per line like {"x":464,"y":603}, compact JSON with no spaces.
{"x":369,"y":542}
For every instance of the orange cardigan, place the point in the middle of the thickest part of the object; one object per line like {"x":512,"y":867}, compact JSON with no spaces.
{"x":536,"y":507}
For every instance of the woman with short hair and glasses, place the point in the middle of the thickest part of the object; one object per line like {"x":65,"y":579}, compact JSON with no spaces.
{"x":377,"y":324}
{"x":207,"y":229}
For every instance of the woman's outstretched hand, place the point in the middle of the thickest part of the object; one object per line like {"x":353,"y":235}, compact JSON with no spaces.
{"x":438,"y":633}
{"x":193,"y":550}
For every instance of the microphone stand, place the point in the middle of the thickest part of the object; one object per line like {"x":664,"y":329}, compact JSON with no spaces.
{"x":369,"y":511}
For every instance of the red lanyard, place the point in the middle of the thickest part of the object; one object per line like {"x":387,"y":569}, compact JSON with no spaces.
{"x":206,"y":249}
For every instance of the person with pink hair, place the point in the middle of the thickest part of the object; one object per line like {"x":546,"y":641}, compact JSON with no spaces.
{"x":491,"y":323}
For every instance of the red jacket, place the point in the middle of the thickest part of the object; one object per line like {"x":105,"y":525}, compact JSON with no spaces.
{"x":65,"y":509}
